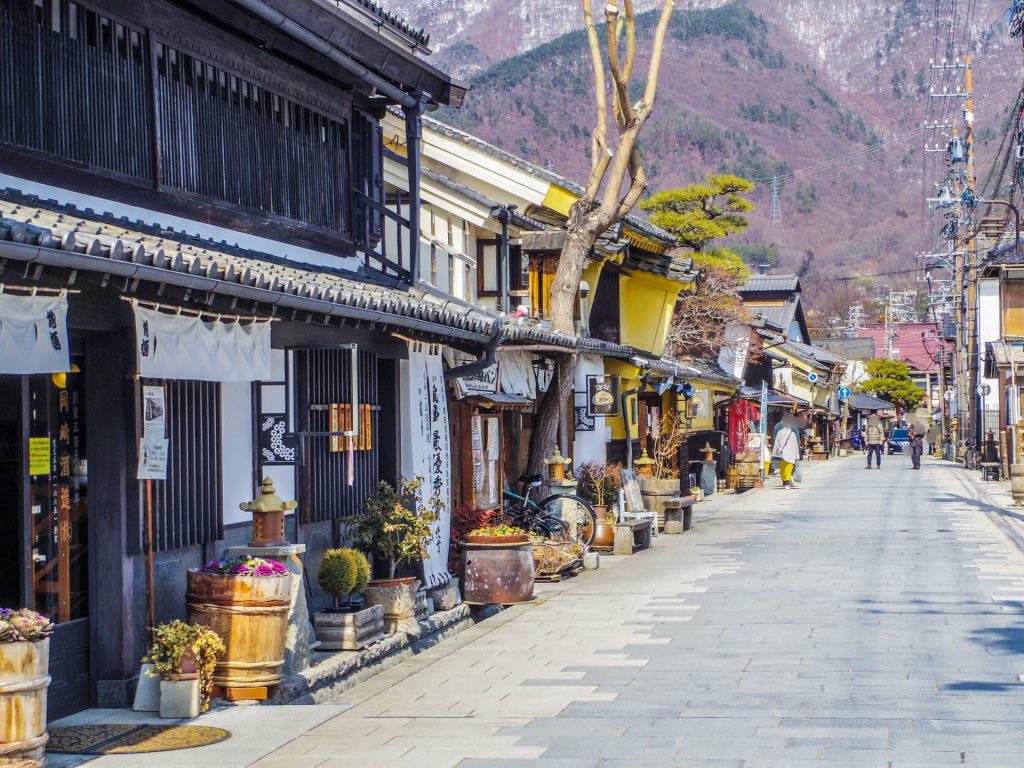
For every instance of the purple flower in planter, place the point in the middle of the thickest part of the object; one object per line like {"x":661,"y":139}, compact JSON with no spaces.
{"x":240,"y":569}
{"x":280,"y":569}
{"x":263,"y":569}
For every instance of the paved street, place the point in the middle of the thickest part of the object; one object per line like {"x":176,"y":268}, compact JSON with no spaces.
{"x":866,"y":619}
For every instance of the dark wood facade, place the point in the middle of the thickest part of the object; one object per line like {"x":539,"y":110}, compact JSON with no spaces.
{"x":199,"y":111}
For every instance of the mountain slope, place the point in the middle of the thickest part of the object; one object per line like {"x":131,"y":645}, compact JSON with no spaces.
{"x":829,"y":92}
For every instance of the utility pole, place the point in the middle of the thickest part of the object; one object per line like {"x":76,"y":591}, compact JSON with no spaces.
{"x":775,"y":216}
{"x":971,"y":260}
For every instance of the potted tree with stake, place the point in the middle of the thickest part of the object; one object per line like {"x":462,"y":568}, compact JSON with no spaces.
{"x":346,"y":627}
{"x":24,"y":679}
{"x":598,"y":483}
{"x":395,"y":526}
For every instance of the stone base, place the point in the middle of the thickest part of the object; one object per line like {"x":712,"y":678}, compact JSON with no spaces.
{"x":147,"y":692}
{"x":591,"y":561}
{"x":349,"y":631}
{"x":179,"y":699}
{"x":424,"y":605}
{"x":447,"y":596}
{"x":673,"y":526}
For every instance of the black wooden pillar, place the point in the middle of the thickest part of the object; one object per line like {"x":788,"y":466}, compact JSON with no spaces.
{"x":113,"y":652}
{"x":413,"y":137}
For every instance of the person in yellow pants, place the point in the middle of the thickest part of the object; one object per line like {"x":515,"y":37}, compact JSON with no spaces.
{"x":786,"y":451}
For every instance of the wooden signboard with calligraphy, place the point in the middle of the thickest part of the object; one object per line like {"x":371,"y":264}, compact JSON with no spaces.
{"x":340,"y":420}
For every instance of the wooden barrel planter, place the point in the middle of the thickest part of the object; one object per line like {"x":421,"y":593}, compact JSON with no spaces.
{"x":250,"y":613}
{"x":24,"y":678}
{"x":497,"y":570}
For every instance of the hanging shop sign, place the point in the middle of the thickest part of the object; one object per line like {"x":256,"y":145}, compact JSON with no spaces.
{"x":34,"y":333}
{"x":603,"y":395}
{"x":182,"y":346}
{"x":273,"y":450}
{"x":483,"y":382}
{"x":429,"y":449}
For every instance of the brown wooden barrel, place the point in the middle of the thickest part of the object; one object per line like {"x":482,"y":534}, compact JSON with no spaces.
{"x":24,"y":678}
{"x":251,"y":616}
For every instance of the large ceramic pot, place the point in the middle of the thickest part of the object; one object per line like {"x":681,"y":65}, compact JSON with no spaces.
{"x":250,"y":613}
{"x":24,"y":678}
{"x":398,"y":598}
{"x":655,"y":492}
{"x":604,"y":533}
{"x":497,"y":570}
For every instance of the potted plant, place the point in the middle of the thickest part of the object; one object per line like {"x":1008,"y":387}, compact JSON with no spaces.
{"x":24,"y":679}
{"x":184,"y":656}
{"x":598,"y":483}
{"x":497,"y":566}
{"x":664,"y":482}
{"x":345,"y":627}
{"x":395,"y":526}
{"x":246,"y":601}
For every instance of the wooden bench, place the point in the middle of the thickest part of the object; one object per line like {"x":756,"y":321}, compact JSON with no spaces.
{"x":632,"y":536}
{"x":991,"y":470}
{"x":679,"y":514}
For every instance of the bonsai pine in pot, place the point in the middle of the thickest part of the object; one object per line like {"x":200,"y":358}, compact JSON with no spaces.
{"x":346,"y":627}
{"x":395,"y":526}
{"x":25,"y":662}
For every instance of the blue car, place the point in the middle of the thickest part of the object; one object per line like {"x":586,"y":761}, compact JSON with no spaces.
{"x":898,"y":440}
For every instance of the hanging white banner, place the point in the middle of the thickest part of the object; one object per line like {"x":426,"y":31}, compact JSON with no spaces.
{"x":34,"y":333}
{"x":427,"y":449}
{"x":172,"y":346}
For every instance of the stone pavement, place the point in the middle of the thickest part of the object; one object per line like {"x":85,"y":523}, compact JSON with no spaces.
{"x":864,"y":619}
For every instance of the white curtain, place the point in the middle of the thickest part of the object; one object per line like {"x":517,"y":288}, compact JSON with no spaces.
{"x":34,"y":333}
{"x":172,"y":346}
{"x":426,"y":447}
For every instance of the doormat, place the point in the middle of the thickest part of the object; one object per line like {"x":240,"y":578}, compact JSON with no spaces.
{"x":127,"y":739}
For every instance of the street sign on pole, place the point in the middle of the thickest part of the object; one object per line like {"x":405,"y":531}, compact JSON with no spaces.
{"x":812,"y":377}
{"x":844,"y":393}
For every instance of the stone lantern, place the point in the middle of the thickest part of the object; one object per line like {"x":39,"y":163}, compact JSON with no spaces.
{"x":644,"y":466}
{"x":556,"y":464}
{"x":268,"y":516}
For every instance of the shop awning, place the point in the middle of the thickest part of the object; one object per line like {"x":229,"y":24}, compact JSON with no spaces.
{"x":34,"y":332}
{"x":500,"y":401}
{"x":861,"y":401}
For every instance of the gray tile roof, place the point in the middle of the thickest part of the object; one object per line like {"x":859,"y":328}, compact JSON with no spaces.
{"x":819,"y":354}
{"x":770,"y":284}
{"x":391,"y":19}
{"x":781,"y":316}
{"x":850,"y":349}
{"x":272,"y":281}
{"x":537,"y":171}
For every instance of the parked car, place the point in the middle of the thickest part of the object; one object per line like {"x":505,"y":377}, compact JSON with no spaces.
{"x":898,"y":440}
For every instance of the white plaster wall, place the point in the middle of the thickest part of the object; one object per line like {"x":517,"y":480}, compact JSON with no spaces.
{"x":589,"y":446}
{"x":236,"y":440}
{"x":988,"y":325}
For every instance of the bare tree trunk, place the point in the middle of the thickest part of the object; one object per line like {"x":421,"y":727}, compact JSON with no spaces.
{"x":589,"y":217}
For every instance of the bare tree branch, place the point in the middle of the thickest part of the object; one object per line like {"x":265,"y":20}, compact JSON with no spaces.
{"x":599,"y":141}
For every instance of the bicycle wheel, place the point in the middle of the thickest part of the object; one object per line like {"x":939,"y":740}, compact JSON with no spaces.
{"x":576,"y":513}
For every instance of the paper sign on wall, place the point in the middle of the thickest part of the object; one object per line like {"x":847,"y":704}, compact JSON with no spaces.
{"x":153,"y":458}
{"x":39,"y":455}
{"x":153,"y":413}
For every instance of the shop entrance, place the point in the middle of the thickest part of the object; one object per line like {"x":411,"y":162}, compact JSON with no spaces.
{"x":44,"y":498}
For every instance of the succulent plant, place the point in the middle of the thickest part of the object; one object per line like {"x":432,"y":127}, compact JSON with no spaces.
{"x":338,"y":573}
{"x":24,"y":625}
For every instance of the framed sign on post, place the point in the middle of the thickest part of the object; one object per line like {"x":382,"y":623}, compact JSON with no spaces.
{"x":603,"y":395}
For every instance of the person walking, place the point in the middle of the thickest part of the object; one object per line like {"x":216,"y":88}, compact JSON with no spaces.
{"x":786,"y":451}
{"x":933,"y":437}
{"x":874,"y":438}
{"x":916,"y":444}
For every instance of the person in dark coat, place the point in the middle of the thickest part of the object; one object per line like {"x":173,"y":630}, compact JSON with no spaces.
{"x":917,"y":433}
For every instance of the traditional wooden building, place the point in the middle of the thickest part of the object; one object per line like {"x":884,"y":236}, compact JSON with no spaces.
{"x":193,"y":249}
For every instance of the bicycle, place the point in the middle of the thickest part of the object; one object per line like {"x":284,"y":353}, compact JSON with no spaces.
{"x":559,"y":517}
{"x":971,"y":455}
